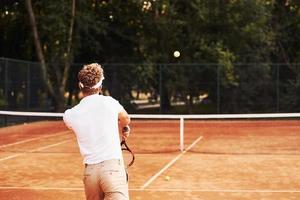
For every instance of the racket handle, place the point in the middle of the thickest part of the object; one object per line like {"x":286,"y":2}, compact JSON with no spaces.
{"x":125,"y":132}
{"x":126,"y":129}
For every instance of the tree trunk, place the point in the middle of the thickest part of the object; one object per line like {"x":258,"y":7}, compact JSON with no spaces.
{"x":68,"y":56}
{"x":67,"y":62}
{"x":38,"y":46}
{"x":165,"y":104}
{"x":190,"y":104}
{"x":57,"y":96}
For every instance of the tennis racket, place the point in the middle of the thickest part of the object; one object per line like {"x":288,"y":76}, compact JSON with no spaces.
{"x":128,"y":155}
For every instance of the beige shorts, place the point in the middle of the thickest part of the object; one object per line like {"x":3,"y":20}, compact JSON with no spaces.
{"x":106,"y":180}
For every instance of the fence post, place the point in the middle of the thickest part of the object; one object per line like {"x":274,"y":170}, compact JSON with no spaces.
{"x":277,"y":88}
{"x":6,"y":83}
{"x":218,"y":89}
{"x":160,"y":88}
{"x":28,"y":87}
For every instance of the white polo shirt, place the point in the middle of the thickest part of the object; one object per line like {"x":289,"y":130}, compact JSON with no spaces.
{"x":95,"y":122}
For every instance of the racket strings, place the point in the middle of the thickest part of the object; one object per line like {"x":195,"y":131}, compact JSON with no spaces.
{"x":128,"y":155}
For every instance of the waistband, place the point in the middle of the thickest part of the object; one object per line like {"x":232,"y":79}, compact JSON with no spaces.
{"x":119,"y":161}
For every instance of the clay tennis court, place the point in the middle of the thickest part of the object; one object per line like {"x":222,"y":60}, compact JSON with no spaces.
{"x":233,"y":160}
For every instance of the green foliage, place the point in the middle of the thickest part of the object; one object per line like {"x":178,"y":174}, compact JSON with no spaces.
{"x":53,"y":25}
{"x":234,"y":35}
{"x":14,"y":40}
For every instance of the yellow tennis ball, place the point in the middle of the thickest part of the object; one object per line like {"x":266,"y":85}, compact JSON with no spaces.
{"x":176,"y":54}
{"x":167,"y":178}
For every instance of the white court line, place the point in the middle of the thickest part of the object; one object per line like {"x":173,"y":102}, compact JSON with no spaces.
{"x":169,"y":164}
{"x":156,"y":190}
{"x":33,"y":150}
{"x":218,"y":190}
{"x":41,"y":188}
{"x":32,"y":139}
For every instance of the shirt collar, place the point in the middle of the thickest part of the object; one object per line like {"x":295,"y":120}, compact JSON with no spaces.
{"x":84,"y":99}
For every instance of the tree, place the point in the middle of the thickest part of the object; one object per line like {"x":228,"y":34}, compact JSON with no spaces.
{"x":285,"y":23}
{"x":56,"y":46}
{"x":233,"y":35}
{"x":13,"y":30}
{"x":248,"y":38}
{"x":221,"y":32}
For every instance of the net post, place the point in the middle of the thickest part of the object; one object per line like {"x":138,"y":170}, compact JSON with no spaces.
{"x":181,"y":134}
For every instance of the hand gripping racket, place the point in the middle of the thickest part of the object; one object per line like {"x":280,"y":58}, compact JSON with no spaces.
{"x":127,"y":153}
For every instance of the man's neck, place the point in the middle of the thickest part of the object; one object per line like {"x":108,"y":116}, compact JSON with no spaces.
{"x":88,"y":94}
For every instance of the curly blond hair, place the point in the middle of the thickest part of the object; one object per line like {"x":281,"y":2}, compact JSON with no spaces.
{"x":89,"y":76}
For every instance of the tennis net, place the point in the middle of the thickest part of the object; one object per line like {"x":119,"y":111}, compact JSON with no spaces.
{"x":220,"y":134}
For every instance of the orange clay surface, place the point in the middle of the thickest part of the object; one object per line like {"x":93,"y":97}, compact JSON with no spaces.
{"x":223,"y":160}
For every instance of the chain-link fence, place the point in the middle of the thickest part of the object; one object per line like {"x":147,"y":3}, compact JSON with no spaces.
{"x":165,"y":88}
{"x":21,"y":86}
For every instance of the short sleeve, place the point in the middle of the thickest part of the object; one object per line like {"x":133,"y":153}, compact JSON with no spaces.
{"x":66,"y":118}
{"x":117,"y":105}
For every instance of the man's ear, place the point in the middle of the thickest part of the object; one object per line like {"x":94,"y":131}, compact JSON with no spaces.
{"x":80,"y":85}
